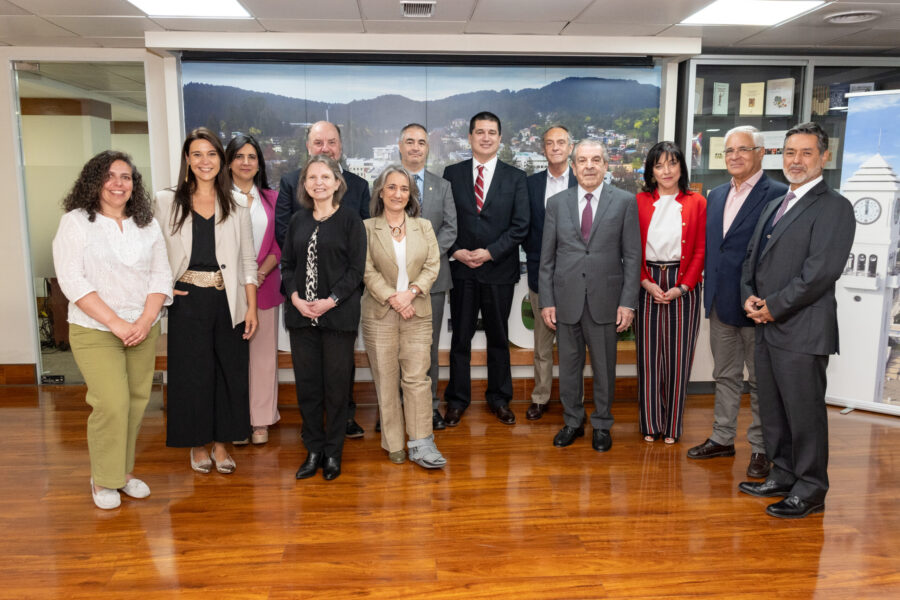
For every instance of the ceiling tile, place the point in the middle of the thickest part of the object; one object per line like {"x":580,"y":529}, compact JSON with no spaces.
{"x":8,"y":8}
{"x":416,"y":26}
{"x":106,"y":26}
{"x":227,"y":25}
{"x":390,"y":10}
{"x":795,"y":35}
{"x":712,"y":36}
{"x":31,"y":26}
{"x":515,"y":27}
{"x":870,"y":36}
{"x":312,"y":25}
{"x":332,"y":10}
{"x":51,"y":41}
{"x":107,"y":8}
{"x":612,"y":29}
{"x":640,"y":11}
{"x":500,"y":10}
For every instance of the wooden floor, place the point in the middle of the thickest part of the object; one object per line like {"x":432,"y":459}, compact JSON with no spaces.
{"x":510,"y":517}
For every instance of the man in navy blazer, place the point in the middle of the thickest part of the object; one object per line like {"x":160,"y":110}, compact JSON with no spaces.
{"x":557,"y":177}
{"x":492,"y":221}
{"x":732,"y":210}
{"x":323,"y":138}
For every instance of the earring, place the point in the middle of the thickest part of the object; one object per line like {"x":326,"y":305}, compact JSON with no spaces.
{"x":187,"y":172}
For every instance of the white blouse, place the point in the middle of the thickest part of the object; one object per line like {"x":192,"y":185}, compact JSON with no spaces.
{"x":664,"y":231}
{"x":402,"y":274}
{"x":258,"y":218}
{"x":123,"y":267}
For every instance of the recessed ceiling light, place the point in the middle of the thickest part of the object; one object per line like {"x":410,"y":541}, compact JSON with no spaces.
{"x":751,"y":12}
{"x":850,"y":17}
{"x":209,"y":9}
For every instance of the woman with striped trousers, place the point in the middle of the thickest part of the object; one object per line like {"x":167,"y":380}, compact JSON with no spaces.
{"x":673,"y":230}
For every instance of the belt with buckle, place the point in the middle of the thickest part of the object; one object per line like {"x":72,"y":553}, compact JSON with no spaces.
{"x":204,"y":279}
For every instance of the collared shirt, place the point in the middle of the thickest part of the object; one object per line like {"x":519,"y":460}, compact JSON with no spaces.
{"x":664,"y":231}
{"x":595,"y":200}
{"x":801,"y":191}
{"x":259,"y":220}
{"x":419,"y":178}
{"x":556,"y":185}
{"x":737,"y":195}
{"x":488,"y":174}
{"x":400,"y":256}
{"x":122,"y":266}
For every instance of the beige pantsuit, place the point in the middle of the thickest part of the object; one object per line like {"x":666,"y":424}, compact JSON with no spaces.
{"x":399,"y":350}
{"x":264,"y":370}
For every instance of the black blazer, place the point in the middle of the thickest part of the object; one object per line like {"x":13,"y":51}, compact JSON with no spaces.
{"x":537,"y":188}
{"x":356,"y":197}
{"x":725,"y":254}
{"x":796,"y":271}
{"x":341,"y":257}
{"x":500,"y":227}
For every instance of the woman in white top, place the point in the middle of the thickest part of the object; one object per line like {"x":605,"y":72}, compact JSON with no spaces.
{"x":110,"y":259}
{"x":673,"y":238}
{"x":402,"y":262}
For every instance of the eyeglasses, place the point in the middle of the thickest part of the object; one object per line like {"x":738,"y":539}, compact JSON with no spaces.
{"x":740,"y":150}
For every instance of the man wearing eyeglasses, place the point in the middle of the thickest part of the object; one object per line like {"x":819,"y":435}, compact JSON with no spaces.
{"x":732,"y":210}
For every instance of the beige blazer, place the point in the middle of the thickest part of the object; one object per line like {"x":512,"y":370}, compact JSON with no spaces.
{"x":423,"y":260}
{"x":234,"y":250}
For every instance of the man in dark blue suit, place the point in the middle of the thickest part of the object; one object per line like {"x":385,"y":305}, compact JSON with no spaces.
{"x":323,"y":138}
{"x":557,"y":177}
{"x":732,"y":210}
{"x":492,"y":221}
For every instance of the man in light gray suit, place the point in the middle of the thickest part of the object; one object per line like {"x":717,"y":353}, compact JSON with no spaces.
{"x":438,"y":207}
{"x":589,"y":281}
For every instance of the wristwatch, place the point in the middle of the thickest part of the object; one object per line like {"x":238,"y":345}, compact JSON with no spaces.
{"x":684,"y":289}
{"x":415,"y":289}
{"x":335,"y":298}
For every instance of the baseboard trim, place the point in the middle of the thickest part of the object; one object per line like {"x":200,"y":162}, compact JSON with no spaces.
{"x":21,"y":374}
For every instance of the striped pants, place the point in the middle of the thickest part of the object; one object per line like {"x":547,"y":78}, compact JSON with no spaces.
{"x":666,"y":337}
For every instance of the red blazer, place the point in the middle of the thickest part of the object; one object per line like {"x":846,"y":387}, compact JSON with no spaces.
{"x":693,"y":235}
{"x":269,"y":293}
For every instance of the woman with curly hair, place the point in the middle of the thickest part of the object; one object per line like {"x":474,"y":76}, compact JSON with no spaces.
{"x":110,"y":259}
{"x":210,"y":243}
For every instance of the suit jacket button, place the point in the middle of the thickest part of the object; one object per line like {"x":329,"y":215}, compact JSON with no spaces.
{"x":221,"y":266}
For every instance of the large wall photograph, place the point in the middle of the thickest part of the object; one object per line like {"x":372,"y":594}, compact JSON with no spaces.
{"x":276,"y":102}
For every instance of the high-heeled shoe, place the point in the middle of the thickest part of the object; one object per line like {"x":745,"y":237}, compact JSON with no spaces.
{"x":310,"y":465}
{"x":201,"y":466}
{"x":331,"y":468}
{"x":225,"y":467}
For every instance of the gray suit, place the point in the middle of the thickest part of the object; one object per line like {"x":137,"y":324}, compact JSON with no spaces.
{"x":793,"y":266}
{"x":439,"y":208}
{"x":587,"y":282}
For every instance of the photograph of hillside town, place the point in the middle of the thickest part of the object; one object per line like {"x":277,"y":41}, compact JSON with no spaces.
{"x":371,"y":103}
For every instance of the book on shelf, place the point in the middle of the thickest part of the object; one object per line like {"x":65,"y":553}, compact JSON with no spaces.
{"x":717,"y":154}
{"x":720,"y":98}
{"x":773,"y":141}
{"x":837,"y":96}
{"x":820,"y":100}
{"x":780,"y":96}
{"x":862,"y":87}
{"x":752,"y":97}
{"x":698,"y":96}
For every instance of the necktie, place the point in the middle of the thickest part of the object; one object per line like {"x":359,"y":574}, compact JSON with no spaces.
{"x":418,"y":181}
{"x":784,"y":204}
{"x":479,"y":188}
{"x":587,"y":218}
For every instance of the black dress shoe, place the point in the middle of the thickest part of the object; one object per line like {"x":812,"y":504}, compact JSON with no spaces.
{"x":766,"y":489}
{"x":452,"y":417}
{"x":567,"y":435}
{"x":793,"y":507}
{"x":332,"y":468}
{"x":601,"y":441}
{"x":437,"y":421}
{"x":759,"y":466}
{"x":311,"y":465}
{"x":504,"y":415}
{"x":378,"y":426}
{"x":711,"y":449}
{"x":354,"y":430}
{"x":535,"y":411}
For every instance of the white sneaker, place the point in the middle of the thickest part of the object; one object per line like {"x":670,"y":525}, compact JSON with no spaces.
{"x":136,"y":488}
{"x":106,"y":498}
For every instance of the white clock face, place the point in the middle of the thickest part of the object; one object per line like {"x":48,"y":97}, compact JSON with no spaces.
{"x":867,"y":210}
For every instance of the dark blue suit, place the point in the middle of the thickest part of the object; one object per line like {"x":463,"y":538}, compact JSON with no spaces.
{"x":537,"y":188}
{"x":725,"y":255}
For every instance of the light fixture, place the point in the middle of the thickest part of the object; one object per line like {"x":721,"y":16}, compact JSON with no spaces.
{"x":850,"y":17}
{"x":418,"y":8}
{"x":208,"y":9}
{"x":751,"y":12}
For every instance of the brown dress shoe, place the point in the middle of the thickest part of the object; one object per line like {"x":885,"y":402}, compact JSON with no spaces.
{"x":535,"y":411}
{"x":452,"y":416}
{"x":710,"y":449}
{"x":505,"y":415}
{"x":759,"y":466}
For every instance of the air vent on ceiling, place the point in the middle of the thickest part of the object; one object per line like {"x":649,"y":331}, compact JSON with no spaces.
{"x":421,"y":9}
{"x":852,"y":16}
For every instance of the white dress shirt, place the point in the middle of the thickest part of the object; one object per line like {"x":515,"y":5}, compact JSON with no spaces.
{"x":258,"y":218}
{"x":664,"y":231}
{"x":556,"y":185}
{"x":487,"y":175}
{"x":582,"y":202}
{"x":800,"y":192}
{"x":402,"y":274}
{"x":122,"y":266}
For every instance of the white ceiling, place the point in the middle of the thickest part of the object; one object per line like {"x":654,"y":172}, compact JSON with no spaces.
{"x":118,"y":24}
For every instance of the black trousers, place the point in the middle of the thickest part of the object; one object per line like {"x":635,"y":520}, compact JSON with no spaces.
{"x":467,"y":298}
{"x":209,"y":366}
{"x":791,"y":388}
{"x":323,"y":363}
